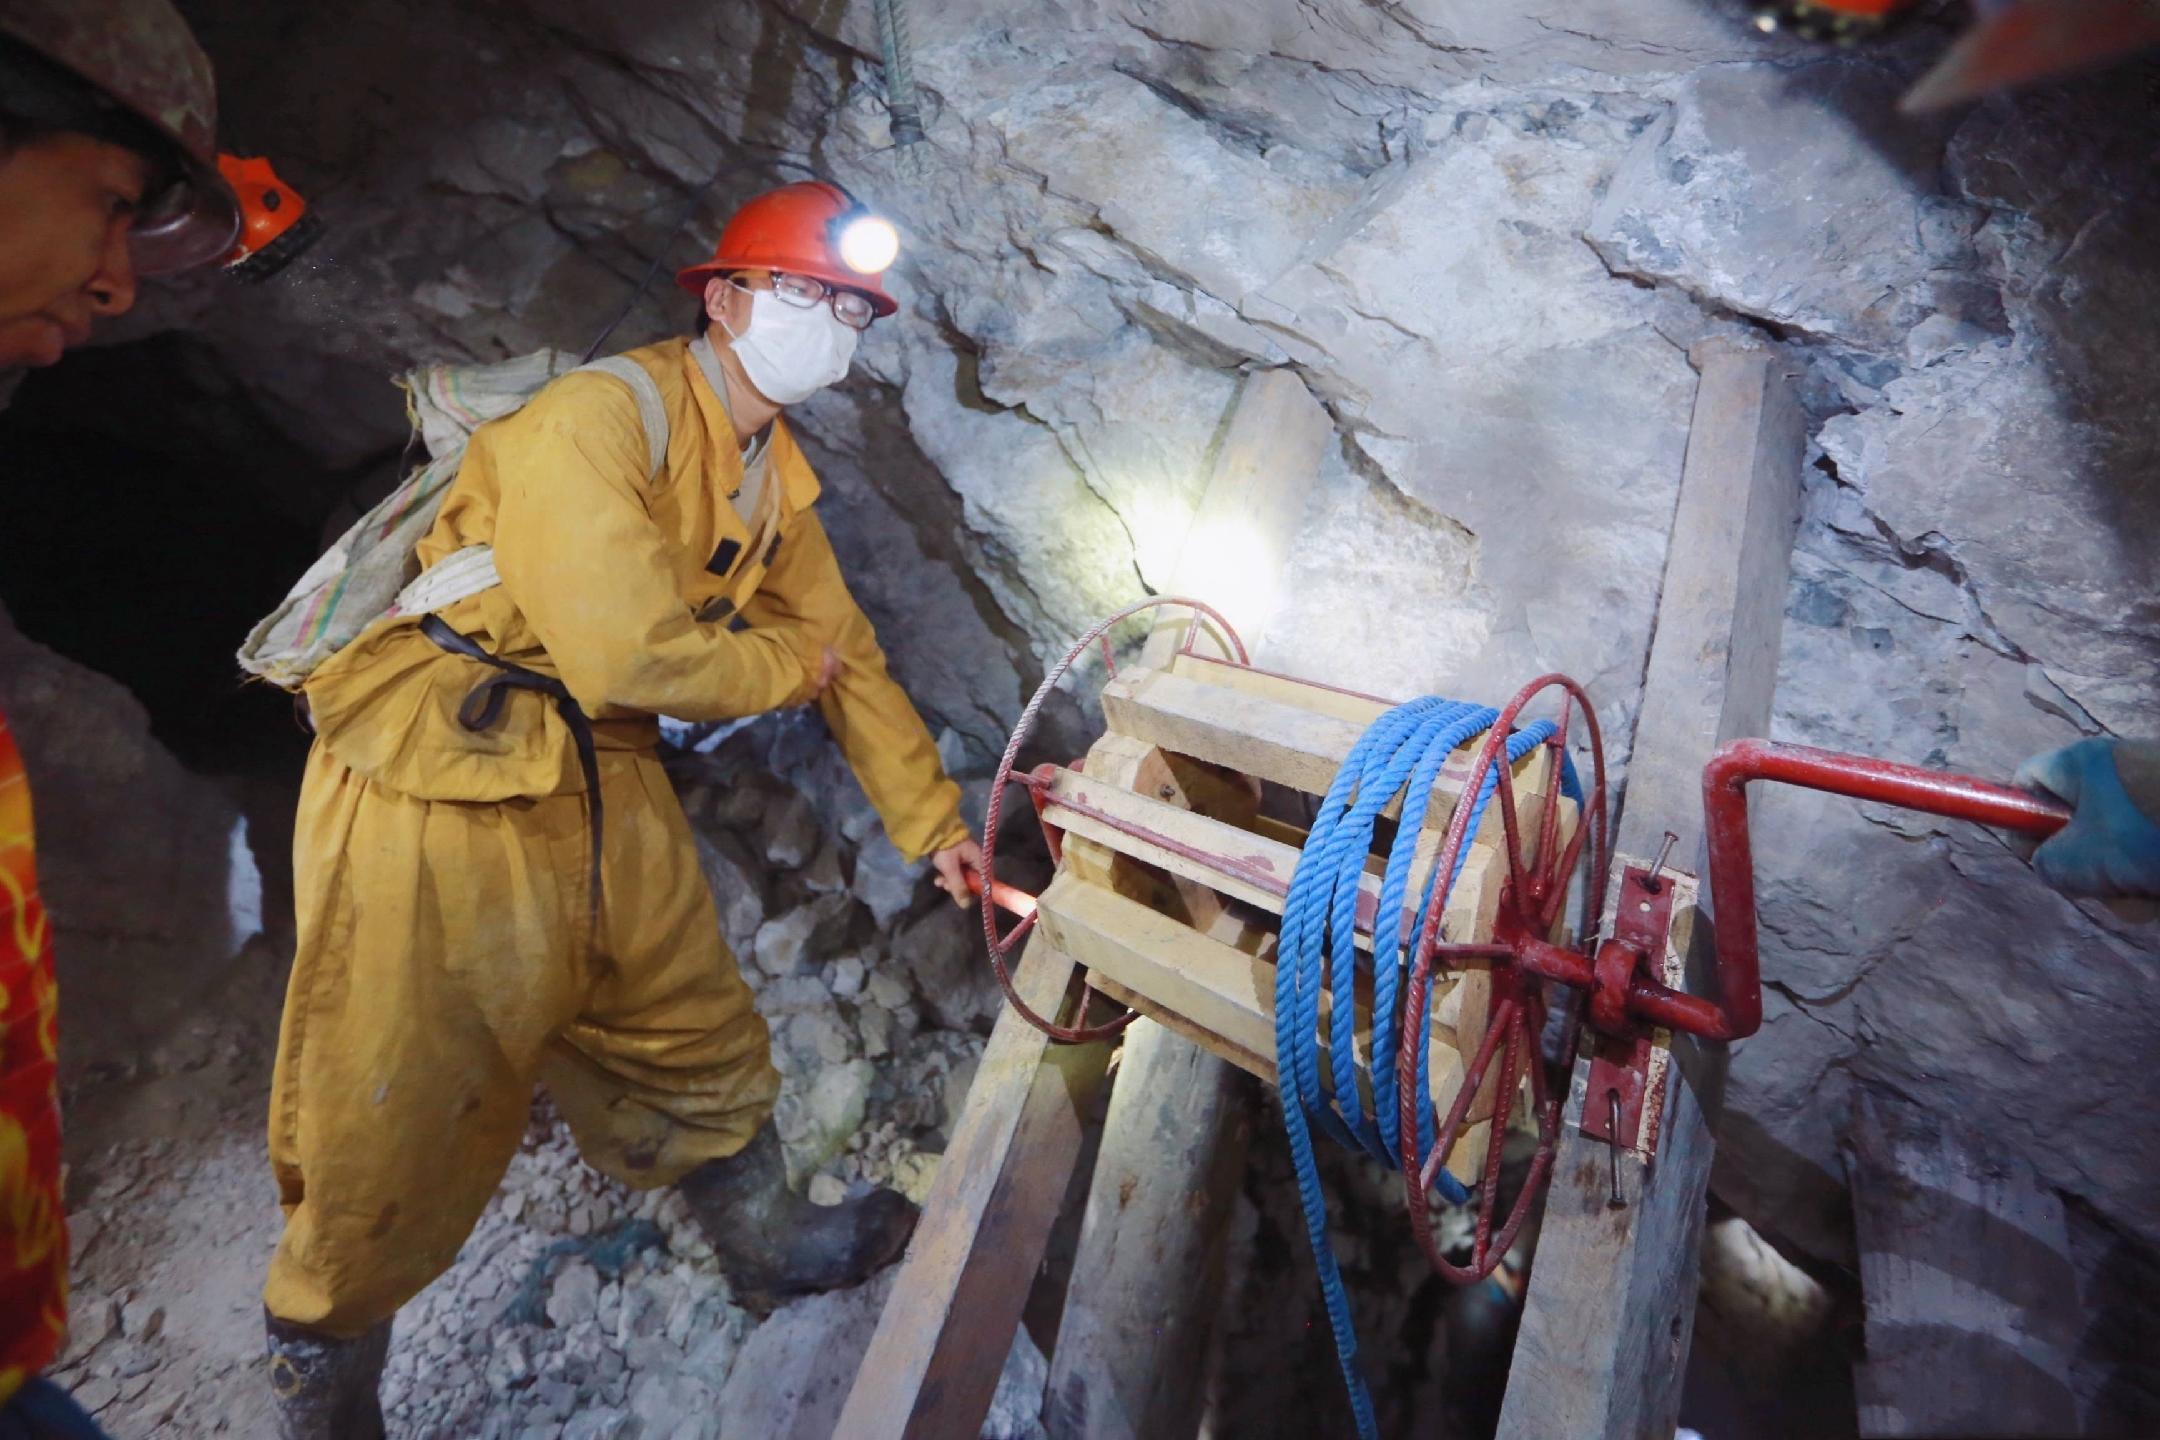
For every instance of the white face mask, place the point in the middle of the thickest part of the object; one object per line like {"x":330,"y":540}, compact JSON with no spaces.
{"x":790,"y":353}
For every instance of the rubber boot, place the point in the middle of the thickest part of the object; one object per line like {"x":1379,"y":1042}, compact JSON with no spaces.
{"x":325,"y":1388}
{"x":773,"y":1243}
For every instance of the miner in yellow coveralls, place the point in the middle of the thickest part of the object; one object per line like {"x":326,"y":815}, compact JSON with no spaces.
{"x":475,"y":914}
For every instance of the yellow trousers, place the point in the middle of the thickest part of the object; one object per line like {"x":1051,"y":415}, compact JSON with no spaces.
{"x":445,"y":965}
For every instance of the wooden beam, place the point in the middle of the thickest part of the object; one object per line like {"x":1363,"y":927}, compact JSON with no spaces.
{"x":989,"y":1212}
{"x":1218,"y":989}
{"x":1271,"y":733}
{"x":1972,"y":1299}
{"x":1584,"y":1372}
{"x":1721,"y":610}
{"x":1246,"y":522}
{"x":1129,"y":1368}
{"x":1359,"y":710}
{"x":1258,"y":736}
{"x":1147,"y":1279}
{"x":1256,"y":869}
{"x":1259,"y":1066}
{"x":1610,"y":1311}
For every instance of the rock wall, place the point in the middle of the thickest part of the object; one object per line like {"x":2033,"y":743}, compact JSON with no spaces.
{"x":145,"y":869}
{"x":1484,"y":235}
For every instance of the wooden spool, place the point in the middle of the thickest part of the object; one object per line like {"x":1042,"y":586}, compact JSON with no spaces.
{"x":1180,"y":923}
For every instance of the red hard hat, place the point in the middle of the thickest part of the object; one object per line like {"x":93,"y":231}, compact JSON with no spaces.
{"x":795,"y":228}
{"x":140,"y":53}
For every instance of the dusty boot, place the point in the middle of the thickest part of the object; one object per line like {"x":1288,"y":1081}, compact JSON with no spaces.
{"x":773,"y":1243}
{"x":326,"y":1388}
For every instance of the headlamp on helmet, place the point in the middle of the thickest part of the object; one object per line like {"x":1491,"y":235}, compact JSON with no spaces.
{"x":868,"y":244}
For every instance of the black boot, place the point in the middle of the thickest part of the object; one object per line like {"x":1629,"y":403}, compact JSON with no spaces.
{"x":326,"y":1388}
{"x":773,"y":1243}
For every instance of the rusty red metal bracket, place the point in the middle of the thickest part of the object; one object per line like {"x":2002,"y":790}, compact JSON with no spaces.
{"x":1620,"y":1055}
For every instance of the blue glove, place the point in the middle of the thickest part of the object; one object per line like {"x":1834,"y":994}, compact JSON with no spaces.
{"x":41,"y":1410}
{"x":2111,"y":847}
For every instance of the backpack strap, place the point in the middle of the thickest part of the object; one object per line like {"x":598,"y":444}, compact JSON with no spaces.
{"x":449,"y":580}
{"x":646,"y":391}
{"x":471,"y":570}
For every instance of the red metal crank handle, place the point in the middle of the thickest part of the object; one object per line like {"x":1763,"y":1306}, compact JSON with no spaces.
{"x":1016,"y":903}
{"x":1737,"y":1011}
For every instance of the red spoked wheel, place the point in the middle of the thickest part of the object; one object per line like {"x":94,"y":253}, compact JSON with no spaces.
{"x":1537,"y":886}
{"x":1001,"y":947}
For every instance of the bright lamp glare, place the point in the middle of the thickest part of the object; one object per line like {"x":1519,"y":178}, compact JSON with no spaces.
{"x":1226,"y":562}
{"x":869,"y":246}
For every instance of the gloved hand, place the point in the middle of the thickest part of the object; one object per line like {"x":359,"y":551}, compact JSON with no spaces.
{"x":2111,"y":847}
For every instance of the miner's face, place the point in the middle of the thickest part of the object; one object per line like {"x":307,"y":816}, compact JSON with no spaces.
{"x":66,"y":204}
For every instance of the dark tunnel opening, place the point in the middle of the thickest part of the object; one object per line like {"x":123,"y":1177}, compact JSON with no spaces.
{"x":153,"y":516}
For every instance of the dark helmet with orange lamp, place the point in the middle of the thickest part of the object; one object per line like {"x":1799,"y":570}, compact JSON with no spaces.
{"x":811,"y":228}
{"x":275,"y":223}
{"x":131,"y":73}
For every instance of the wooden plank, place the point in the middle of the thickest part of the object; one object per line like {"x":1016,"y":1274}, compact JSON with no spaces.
{"x":1464,"y":1162}
{"x":1221,"y":990}
{"x":1260,"y":1067}
{"x":1972,"y":1299}
{"x":1278,"y":729}
{"x":1359,"y":710}
{"x":965,"y":1277}
{"x":1253,"y":734}
{"x":1721,"y":610}
{"x":1711,"y":674}
{"x":1128,"y":1368}
{"x":1274,"y":739}
{"x":1235,"y":550}
{"x":1258,"y":869}
{"x":1587,"y":1373}
{"x":1148,"y":1279}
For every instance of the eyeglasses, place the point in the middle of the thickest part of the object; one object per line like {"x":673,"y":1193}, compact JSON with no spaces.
{"x":850,"y":308}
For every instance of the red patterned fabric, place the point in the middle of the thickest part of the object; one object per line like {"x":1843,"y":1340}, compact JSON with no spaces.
{"x":33,"y":1243}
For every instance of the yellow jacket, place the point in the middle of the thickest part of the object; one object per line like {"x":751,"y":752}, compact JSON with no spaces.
{"x":643,"y":598}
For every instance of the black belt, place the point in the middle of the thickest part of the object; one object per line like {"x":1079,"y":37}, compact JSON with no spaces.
{"x":483,"y":707}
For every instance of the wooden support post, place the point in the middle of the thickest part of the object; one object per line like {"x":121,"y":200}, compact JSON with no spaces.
{"x":1611,"y":1307}
{"x":1247,"y":519}
{"x":1148,"y":1275}
{"x":933,"y":1363}
{"x":1151,"y":1245}
{"x":1972,"y":1300}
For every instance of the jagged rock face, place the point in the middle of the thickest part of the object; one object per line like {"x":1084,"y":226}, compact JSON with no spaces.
{"x":145,"y":869}
{"x":1484,"y":235}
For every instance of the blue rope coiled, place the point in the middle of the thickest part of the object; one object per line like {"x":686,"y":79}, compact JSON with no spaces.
{"x":1317,"y":955}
